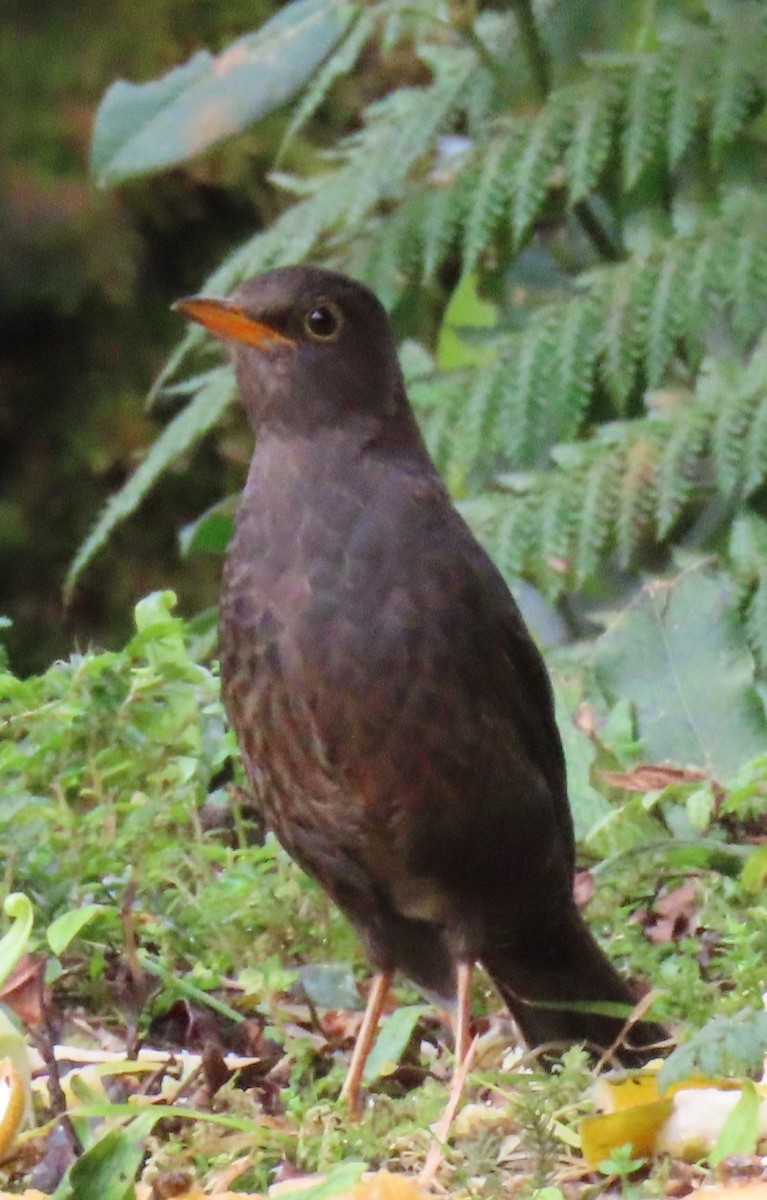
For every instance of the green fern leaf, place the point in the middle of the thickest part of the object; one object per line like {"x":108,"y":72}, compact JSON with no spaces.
{"x":748,"y":551}
{"x":443,"y":216}
{"x":539,"y":151}
{"x":645,"y":113}
{"x":556,"y":526}
{"x":636,"y":499}
{"x":626,"y":295}
{"x":340,"y":63}
{"x":471,"y":431}
{"x":514,"y":543}
{"x":665,"y":315}
{"x":439,"y":400}
{"x":694,"y":55}
{"x":755,"y":449}
{"x":591,"y":136}
{"x":756,"y":621}
{"x":574,"y":357}
{"x":739,"y":66}
{"x":737,"y":405}
{"x":680,"y":467}
{"x":703,"y":277}
{"x":526,"y":420}
{"x":506,"y":525}
{"x":490,"y":196}
{"x":596,"y":513}
{"x":747,"y":279}
{"x":186,"y":428}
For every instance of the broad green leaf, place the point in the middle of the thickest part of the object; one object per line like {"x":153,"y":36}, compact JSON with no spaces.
{"x":465,"y":311}
{"x":753,"y":878}
{"x":725,"y":1046}
{"x":330,"y":985}
{"x":107,"y":1170}
{"x":146,"y":127}
{"x":66,"y":927}
{"x":341,"y":1178}
{"x":679,"y":654}
{"x":740,"y":1131}
{"x":211,"y":532}
{"x":13,"y":944}
{"x":394,"y":1035}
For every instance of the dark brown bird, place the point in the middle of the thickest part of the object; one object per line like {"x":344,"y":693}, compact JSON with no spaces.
{"x":394,"y":715}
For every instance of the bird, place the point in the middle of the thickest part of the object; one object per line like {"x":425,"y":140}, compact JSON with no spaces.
{"x":394,"y":715}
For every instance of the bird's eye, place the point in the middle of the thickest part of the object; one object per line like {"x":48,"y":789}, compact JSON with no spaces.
{"x":323,"y":321}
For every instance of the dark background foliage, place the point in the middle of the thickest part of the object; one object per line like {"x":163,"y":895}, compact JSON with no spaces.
{"x":86,"y":280}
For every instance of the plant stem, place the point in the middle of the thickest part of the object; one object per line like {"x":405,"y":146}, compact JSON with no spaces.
{"x":540,"y":66}
{"x":608,"y":247}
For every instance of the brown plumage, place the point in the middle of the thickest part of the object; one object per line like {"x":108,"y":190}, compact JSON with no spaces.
{"x":394,"y":715}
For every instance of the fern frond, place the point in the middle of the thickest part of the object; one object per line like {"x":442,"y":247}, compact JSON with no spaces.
{"x":541,"y":149}
{"x":645,"y":113}
{"x":443,"y":217}
{"x":491,"y":194}
{"x":557,"y":520}
{"x":474,"y":426}
{"x":515,"y":530}
{"x":680,"y":467}
{"x":756,"y":622}
{"x":754,"y":460}
{"x":703,"y":281}
{"x":439,"y":401}
{"x":745,"y":275}
{"x":591,"y":135}
{"x":748,"y":559}
{"x":597,"y":509}
{"x":742,"y":30}
{"x":527,"y":419}
{"x":572,"y":369}
{"x":748,"y":551}
{"x":694,"y":56}
{"x":626,"y":292}
{"x":339,"y":63}
{"x":738,"y":405}
{"x":186,"y":428}
{"x":665,"y":313}
{"x":636,"y":497}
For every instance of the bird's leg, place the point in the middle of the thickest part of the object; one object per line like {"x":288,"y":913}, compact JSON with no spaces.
{"x":350,"y":1092}
{"x":465,"y":1052}
{"x":463,"y":1012}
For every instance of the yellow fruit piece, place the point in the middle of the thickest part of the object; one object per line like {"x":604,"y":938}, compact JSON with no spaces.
{"x":638,"y":1126}
{"x":12,"y":1100}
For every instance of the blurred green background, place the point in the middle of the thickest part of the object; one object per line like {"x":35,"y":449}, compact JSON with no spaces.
{"x":86,"y":280}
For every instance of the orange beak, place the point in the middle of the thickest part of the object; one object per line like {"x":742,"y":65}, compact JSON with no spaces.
{"x":228,"y":320}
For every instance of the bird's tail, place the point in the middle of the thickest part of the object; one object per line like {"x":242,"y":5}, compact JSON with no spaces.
{"x":550,"y":991}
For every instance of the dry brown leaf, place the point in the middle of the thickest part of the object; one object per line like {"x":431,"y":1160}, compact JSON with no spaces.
{"x":25,"y":991}
{"x":672,"y":916}
{"x":652,"y":777}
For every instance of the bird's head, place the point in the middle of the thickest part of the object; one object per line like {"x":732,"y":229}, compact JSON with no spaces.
{"x":310,"y":347}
